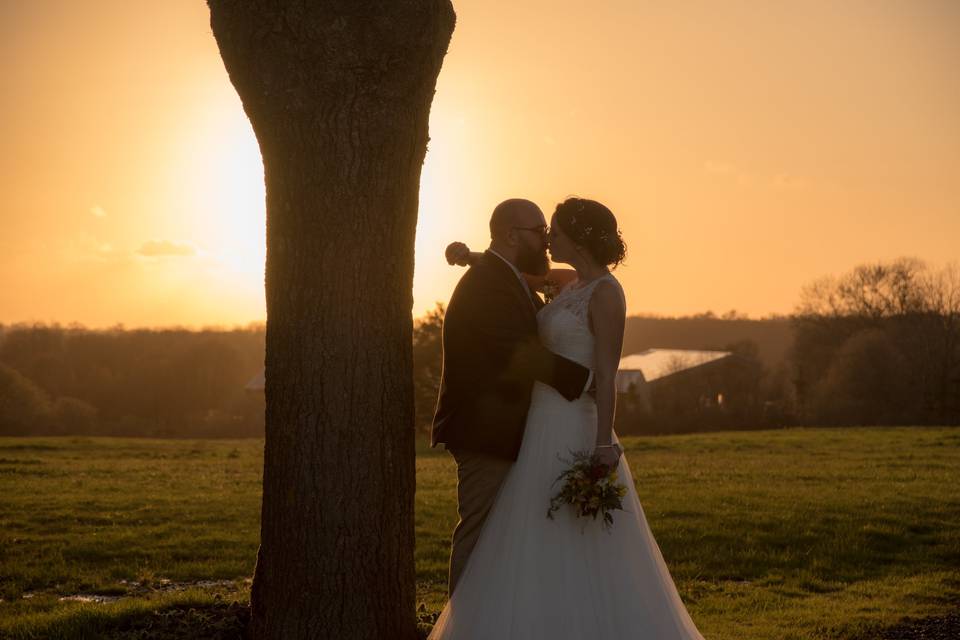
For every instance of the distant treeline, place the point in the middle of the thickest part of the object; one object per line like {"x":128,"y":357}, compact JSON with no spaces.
{"x":162,"y":383}
{"x":181,"y":383}
{"x":880,"y":345}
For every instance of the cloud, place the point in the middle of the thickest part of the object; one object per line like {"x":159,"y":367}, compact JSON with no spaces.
{"x":161,"y":248}
{"x":98,"y":211}
{"x":85,"y":247}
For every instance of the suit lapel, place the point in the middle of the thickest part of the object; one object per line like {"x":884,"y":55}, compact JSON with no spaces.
{"x":530,"y":303}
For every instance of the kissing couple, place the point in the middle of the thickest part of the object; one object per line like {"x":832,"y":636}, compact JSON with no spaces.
{"x":524,"y":385}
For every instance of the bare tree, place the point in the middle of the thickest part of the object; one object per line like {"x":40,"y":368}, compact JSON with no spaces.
{"x":871,"y":291}
{"x":918,"y":311}
{"x":338,"y":93}
{"x":942,"y":292}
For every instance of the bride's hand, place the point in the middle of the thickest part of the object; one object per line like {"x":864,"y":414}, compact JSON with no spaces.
{"x":609,"y":454}
{"x":458,"y":253}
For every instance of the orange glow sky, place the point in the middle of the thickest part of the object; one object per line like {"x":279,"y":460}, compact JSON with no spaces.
{"x":747,"y":148}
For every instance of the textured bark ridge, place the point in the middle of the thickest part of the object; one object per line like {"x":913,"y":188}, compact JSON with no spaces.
{"x":339,"y":95}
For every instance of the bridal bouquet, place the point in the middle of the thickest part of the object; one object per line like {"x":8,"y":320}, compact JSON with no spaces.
{"x":591,"y":488}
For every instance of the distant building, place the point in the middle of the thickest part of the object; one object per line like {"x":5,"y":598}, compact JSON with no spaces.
{"x":257,"y":382}
{"x":653,"y":364}
{"x":675,"y":390}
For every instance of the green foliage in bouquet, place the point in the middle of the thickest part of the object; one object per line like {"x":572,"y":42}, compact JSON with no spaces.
{"x":590,"y":487}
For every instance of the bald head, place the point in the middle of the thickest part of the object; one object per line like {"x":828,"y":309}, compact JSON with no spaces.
{"x":515,"y":212}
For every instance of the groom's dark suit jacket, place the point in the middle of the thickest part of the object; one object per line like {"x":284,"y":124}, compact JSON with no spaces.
{"x":491,"y":357}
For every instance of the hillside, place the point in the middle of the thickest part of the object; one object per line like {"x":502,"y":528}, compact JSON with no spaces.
{"x":773,"y":337}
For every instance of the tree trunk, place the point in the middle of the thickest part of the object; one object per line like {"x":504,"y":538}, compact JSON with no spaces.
{"x":339,"y":95}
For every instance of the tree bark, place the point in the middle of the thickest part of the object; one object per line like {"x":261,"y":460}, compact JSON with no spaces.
{"x":338,"y":93}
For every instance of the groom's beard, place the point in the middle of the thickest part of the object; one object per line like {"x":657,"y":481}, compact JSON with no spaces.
{"x":533,"y":261}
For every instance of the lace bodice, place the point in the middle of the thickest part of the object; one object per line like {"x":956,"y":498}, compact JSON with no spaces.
{"x":565,"y":323}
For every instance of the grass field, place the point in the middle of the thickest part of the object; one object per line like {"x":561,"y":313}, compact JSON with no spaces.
{"x":793,"y":534}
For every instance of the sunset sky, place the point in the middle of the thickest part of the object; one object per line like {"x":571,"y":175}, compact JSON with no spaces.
{"x":746,"y":147}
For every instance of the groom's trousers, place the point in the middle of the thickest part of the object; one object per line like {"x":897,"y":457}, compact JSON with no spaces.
{"x":479,"y":477}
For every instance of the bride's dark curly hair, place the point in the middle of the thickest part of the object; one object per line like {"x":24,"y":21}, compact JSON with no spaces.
{"x":594,"y":227}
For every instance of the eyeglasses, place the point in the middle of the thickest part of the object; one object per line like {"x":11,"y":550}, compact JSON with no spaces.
{"x":542,"y":229}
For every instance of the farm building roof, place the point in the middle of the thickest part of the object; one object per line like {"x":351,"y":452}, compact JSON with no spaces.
{"x":653,"y":364}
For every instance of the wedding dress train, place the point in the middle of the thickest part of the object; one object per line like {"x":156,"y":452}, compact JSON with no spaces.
{"x":531,"y":578}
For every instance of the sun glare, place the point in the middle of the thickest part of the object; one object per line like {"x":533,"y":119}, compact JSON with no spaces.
{"x":220,"y":178}
{"x":226,"y":190}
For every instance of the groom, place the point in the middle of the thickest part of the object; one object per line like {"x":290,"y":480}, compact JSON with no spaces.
{"x":491,"y":358}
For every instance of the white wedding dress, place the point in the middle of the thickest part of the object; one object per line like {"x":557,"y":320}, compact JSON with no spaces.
{"x":531,"y":578}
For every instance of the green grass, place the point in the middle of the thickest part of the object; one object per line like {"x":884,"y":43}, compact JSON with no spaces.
{"x":794,"y":534}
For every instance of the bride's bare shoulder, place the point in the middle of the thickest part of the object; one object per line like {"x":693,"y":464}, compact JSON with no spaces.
{"x":608,"y":296}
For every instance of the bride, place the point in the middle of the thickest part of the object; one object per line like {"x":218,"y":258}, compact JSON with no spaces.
{"x":532,"y":578}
